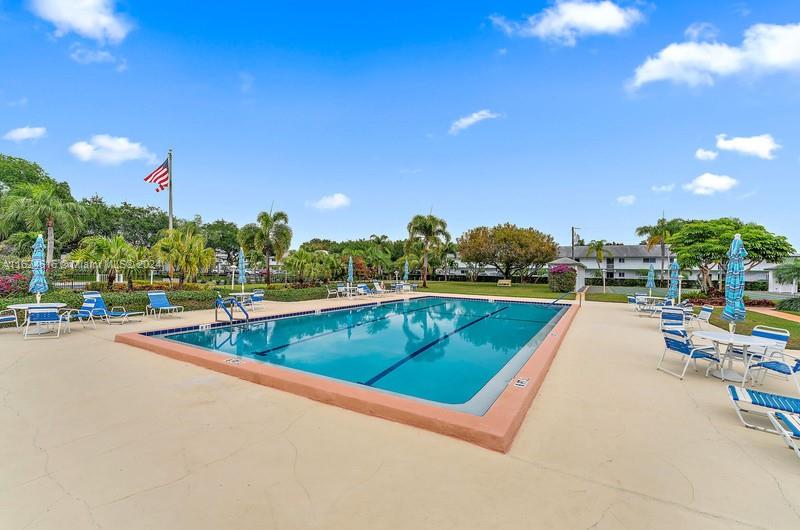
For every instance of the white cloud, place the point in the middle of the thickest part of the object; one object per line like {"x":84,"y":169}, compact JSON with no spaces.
{"x":766,"y":48}
{"x":21,"y":102}
{"x":93,"y":19}
{"x":709,"y":184}
{"x":25,"y":133}
{"x":761,"y":146}
{"x":83,"y":55}
{"x":468,"y":121}
{"x":663,"y":188}
{"x":705,"y":154}
{"x":569,"y":19}
{"x":701,"y":31}
{"x":331,"y":202}
{"x":626,"y":200}
{"x":111,"y":150}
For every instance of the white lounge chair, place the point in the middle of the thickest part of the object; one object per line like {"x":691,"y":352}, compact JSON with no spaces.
{"x":749,"y":401}
{"x":788,"y":426}
{"x":703,"y":316}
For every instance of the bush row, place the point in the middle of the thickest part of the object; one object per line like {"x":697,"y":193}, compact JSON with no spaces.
{"x":190,"y":300}
{"x":790,"y":304}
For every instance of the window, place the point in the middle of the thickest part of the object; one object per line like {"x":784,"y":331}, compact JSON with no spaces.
{"x":620,"y":275}
{"x":622,"y":260}
{"x":649,"y":260}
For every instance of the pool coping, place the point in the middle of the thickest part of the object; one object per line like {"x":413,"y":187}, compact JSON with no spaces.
{"x":494,"y":430}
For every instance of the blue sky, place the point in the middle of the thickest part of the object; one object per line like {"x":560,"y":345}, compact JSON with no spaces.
{"x":354,"y":116}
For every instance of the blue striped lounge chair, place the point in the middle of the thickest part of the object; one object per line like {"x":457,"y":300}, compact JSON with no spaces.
{"x":257,"y":298}
{"x":83,"y":314}
{"x":48,"y":317}
{"x":341,"y":289}
{"x":364,"y":290}
{"x":117,"y":314}
{"x":9,"y":316}
{"x":160,"y":304}
{"x":672,"y":318}
{"x":788,"y":426}
{"x":773,"y":361}
{"x":757,"y":403}
{"x":679,"y":342}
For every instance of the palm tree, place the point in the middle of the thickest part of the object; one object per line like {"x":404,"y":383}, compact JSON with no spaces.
{"x":597,"y":247}
{"x":447,"y":250}
{"x":270,"y":234}
{"x":186,"y":252}
{"x":109,"y":254}
{"x":432,"y":232}
{"x":659,"y":234}
{"x":38,"y":207}
{"x":788,"y":272}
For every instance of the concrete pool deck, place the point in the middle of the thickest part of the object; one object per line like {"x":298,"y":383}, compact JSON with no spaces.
{"x":97,"y":434}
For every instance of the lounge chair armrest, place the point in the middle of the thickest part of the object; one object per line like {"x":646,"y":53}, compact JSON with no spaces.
{"x":9,"y":311}
{"x":119,"y":308}
{"x":706,"y":349}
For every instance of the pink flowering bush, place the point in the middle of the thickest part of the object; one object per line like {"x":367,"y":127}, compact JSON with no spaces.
{"x":561,"y":278}
{"x":13,"y":284}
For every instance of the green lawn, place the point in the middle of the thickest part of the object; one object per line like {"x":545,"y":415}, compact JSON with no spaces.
{"x":754,"y":319}
{"x":607,"y":297}
{"x":527,"y":290}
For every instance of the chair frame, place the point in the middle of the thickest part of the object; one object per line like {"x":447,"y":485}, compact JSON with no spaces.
{"x":57,"y":322}
{"x":778,"y":420}
{"x":707,"y":353}
{"x":158,"y":311}
{"x":12,"y":313}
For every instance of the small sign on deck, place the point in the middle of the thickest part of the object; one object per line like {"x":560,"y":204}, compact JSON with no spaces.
{"x":521,"y":383}
{"x":234,"y":360}
{"x":204,"y":327}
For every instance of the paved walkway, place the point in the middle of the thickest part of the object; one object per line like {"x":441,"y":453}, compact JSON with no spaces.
{"x":95,"y":434}
{"x":775,"y":313}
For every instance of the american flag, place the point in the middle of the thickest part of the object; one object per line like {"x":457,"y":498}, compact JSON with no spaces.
{"x":160,"y":176}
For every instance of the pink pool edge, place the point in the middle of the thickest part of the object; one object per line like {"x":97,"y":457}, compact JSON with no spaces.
{"x":494,"y":430}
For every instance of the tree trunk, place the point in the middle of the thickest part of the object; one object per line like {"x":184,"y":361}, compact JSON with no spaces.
{"x":112,"y":275}
{"x":425,"y":266}
{"x":269,"y":270}
{"x":50,"y":242}
{"x":663,"y":257}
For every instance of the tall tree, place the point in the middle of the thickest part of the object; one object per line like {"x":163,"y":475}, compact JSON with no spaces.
{"x":597,"y":248}
{"x":222,"y":235}
{"x":511,"y":249}
{"x":432,"y":232}
{"x":271,"y":235}
{"x":41,"y":207}
{"x":705,"y":244}
{"x":658,"y":235}
{"x":186,"y":252}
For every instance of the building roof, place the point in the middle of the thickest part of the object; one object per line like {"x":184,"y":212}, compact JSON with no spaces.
{"x":615,"y":251}
{"x":567,"y":261}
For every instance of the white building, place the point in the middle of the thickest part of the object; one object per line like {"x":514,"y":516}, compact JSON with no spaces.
{"x":624,"y":262}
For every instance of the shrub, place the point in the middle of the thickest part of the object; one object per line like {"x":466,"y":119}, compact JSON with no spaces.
{"x":561,"y":278}
{"x":13,"y":284}
{"x":790,"y":304}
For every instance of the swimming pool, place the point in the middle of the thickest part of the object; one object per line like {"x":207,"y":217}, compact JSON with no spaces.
{"x":453,"y":352}
{"x":464,"y":367}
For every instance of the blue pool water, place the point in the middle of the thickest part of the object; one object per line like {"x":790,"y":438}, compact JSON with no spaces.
{"x":454,"y":352}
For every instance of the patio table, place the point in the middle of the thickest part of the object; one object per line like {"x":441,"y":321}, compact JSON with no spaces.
{"x":729,"y":341}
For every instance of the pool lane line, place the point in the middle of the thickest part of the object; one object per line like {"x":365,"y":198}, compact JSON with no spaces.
{"x":374,"y":379}
{"x":266,"y":352}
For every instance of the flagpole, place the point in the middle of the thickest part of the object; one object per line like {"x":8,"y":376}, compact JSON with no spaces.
{"x":169,"y":165}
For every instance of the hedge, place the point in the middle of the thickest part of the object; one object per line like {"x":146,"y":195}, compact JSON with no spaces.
{"x":190,"y":300}
{"x":790,"y":304}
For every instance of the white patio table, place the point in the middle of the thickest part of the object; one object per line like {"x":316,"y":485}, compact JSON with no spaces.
{"x":730,"y":340}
